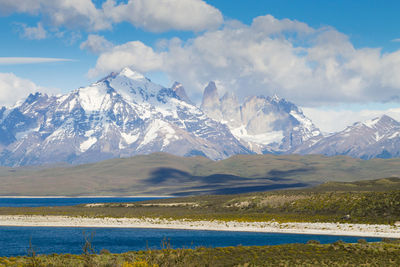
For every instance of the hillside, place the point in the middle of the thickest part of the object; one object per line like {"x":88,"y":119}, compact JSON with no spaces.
{"x":165,"y":174}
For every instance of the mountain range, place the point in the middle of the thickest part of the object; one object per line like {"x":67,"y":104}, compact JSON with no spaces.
{"x":126,"y":114}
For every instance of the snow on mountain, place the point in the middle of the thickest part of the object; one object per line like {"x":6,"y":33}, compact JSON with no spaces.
{"x":122,"y":115}
{"x":126,"y":114}
{"x":376,"y":138}
{"x":263,"y":124}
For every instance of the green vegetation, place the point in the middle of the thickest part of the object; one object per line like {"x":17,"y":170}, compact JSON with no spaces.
{"x":311,"y":254}
{"x":163,"y":174}
{"x":379,"y":185}
{"x":355,"y":202}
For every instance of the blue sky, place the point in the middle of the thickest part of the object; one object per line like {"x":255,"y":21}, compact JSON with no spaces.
{"x":335,"y":56}
{"x":369,"y":23}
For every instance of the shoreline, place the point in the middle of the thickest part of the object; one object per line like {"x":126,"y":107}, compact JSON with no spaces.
{"x":340,"y":229}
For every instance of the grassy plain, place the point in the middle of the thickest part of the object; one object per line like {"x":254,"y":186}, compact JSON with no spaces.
{"x":164,"y":174}
{"x":376,"y":201}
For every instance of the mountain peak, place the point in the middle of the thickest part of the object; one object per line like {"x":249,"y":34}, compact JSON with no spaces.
{"x":176,"y":85}
{"x":132,"y":74}
{"x":384,"y":119}
{"x":180,"y":92}
{"x":211,"y":103}
{"x":211,"y":93}
{"x":275,"y":98}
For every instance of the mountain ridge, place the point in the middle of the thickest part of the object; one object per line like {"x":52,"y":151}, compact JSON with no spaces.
{"x":375,"y":138}
{"x":125,"y":114}
{"x":121,"y":115}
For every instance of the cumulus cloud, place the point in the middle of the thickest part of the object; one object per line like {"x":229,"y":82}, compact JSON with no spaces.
{"x":310,"y":66}
{"x":96,"y":44}
{"x":152,"y":15}
{"x":68,"y":13}
{"x":159,"y":16}
{"x":134,"y":54}
{"x":14,"y":88}
{"x":30,"y":60}
{"x":33,"y":33}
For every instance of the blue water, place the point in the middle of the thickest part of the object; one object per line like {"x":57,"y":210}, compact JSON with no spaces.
{"x":67,"y":201}
{"x":46,"y":240}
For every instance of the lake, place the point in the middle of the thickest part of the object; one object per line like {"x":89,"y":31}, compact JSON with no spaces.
{"x":65,"y":201}
{"x":46,"y":240}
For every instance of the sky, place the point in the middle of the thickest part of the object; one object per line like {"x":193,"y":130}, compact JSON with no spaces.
{"x":338,"y":60}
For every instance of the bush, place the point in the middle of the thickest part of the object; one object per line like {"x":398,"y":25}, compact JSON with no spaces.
{"x":362,"y":241}
{"x":105,"y":251}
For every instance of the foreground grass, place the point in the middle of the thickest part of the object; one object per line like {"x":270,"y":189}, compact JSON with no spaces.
{"x":312,"y":254}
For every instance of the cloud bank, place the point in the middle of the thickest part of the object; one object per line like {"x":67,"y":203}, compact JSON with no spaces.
{"x":310,"y":66}
{"x":151,"y":15}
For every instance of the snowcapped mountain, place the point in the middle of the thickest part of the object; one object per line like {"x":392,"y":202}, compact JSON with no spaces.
{"x":126,"y":114}
{"x":263,"y":124}
{"x":122,"y":115}
{"x":376,"y":138}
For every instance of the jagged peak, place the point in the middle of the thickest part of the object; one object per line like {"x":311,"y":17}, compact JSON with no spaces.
{"x":180,"y":91}
{"x":176,"y":85}
{"x":211,"y":84}
{"x":211,"y":90}
{"x":275,"y":98}
{"x":125,"y":72}
{"x":210,"y":93}
{"x":33,"y":97}
{"x":132,"y":74}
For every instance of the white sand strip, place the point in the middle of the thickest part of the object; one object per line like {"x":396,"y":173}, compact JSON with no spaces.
{"x":370,"y":230}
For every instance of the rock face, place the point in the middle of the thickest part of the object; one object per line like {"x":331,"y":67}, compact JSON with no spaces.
{"x":211,"y":104}
{"x":181,"y":93}
{"x":263,"y":124}
{"x":376,"y":138}
{"x":122,"y":115}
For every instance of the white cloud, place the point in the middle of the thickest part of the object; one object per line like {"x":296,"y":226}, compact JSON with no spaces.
{"x":33,"y":33}
{"x":30,"y":60}
{"x":311,"y":67}
{"x":71,"y":14}
{"x":331,"y":120}
{"x":152,"y":15}
{"x":159,"y":16}
{"x":133,"y":54}
{"x":397,"y":40}
{"x":14,"y":88}
{"x":96,"y":44}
